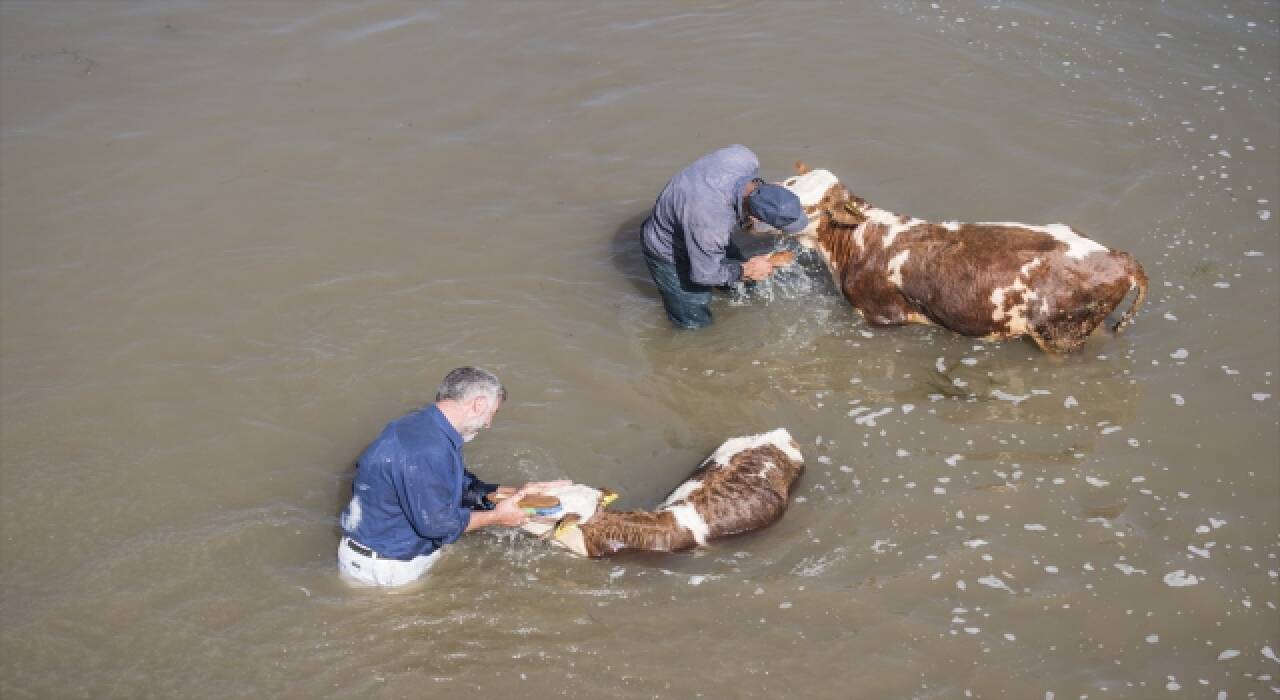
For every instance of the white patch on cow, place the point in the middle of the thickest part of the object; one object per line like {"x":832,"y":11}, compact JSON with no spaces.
{"x":1077,"y":245}
{"x":951,"y":226}
{"x":351,"y":519}
{"x":812,"y":186}
{"x":688,"y":517}
{"x":682,"y":492}
{"x":579,"y":499}
{"x":768,"y":466}
{"x":1017,"y":315}
{"x":892,"y":222}
{"x":576,"y":499}
{"x":779,"y":438}
{"x":895,"y":267}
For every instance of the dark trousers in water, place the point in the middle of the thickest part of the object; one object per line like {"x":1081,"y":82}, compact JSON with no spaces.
{"x":688,"y":303}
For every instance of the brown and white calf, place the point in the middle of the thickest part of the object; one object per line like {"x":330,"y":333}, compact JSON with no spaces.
{"x":744,"y":486}
{"x":989,"y":280}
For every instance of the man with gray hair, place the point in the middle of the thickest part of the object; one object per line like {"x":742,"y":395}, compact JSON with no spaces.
{"x":412,"y":493}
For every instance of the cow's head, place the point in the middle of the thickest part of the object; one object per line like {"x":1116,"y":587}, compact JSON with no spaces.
{"x":578,"y":503}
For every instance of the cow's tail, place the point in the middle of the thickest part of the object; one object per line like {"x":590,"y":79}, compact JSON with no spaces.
{"x":1137,"y":280}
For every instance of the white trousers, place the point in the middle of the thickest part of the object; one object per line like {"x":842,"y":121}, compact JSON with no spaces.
{"x":360,"y":570}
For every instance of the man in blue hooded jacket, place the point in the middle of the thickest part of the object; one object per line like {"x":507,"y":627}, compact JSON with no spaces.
{"x":688,"y":236}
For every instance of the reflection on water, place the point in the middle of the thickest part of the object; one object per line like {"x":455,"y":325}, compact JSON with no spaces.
{"x":236,"y":241}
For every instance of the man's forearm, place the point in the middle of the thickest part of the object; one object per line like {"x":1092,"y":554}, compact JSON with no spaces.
{"x":481,"y":518}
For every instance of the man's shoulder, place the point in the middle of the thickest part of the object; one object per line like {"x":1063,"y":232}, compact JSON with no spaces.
{"x":422,"y":437}
{"x":414,"y":438}
{"x":736,"y":157}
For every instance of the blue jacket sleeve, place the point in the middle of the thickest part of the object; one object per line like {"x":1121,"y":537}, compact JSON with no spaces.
{"x":432,"y":497}
{"x":474,"y":491}
{"x":706,"y":238}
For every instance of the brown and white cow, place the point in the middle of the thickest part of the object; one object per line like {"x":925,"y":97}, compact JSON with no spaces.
{"x":744,"y":486}
{"x":989,"y":280}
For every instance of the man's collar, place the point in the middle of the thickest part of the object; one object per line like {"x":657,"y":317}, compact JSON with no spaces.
{"x":445,"y":426}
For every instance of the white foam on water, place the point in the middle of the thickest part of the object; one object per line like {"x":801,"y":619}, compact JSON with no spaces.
{"x":995,"y":582}
{"x":1128,"y":570}
{"x":870,"y":418}
{"x":1180,"y":579}
{"x":1015,"y":399}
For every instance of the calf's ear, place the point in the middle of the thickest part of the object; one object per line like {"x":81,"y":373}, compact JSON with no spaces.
{"x":848,"y":214}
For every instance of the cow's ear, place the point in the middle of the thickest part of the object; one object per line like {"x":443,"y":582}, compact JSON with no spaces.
{"x":848,"y":214}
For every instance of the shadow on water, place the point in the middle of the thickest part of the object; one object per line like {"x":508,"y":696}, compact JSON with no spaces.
{"x":627,"y":255}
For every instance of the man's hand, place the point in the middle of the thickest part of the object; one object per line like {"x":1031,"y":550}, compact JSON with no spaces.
{"x":508,"y":511}
{"x":757,"y":269}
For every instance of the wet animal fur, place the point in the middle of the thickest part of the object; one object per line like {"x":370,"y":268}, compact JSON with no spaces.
{"x":990,"y":280}
{"x":728,"y":494}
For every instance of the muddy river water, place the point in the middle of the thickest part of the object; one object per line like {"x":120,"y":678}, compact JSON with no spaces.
{"x":238,"y":238}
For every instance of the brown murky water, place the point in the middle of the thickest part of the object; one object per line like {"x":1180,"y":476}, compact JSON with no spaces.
{"x":237,"y":238}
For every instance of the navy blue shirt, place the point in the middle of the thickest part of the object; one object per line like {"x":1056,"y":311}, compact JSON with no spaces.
{"x":412,"y":494}
{"x":696,"y":213}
